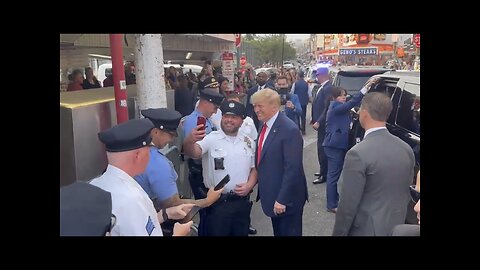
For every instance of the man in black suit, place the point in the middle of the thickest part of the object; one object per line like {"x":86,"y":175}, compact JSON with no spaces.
{"x":319,"y":108}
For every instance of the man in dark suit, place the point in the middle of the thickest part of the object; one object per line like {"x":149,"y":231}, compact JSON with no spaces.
{"x":282,"y":185}
{"x":261,"y":84}
{"x":319,"y":108}
{"x":376,"y":176}
{"x":301,"y":90}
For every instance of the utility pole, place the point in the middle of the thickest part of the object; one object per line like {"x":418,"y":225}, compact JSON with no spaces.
{"x":150,"y":75}
{"x":283,"y":47}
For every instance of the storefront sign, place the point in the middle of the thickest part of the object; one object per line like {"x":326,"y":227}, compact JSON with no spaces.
{"x":358,"y":51}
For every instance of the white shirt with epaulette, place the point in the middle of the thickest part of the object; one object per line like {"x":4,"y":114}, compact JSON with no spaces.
{"x":135,"y":213}
{"x":238,"y":155}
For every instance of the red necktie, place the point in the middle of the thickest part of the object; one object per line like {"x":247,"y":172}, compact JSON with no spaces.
{"x":260,"y":142}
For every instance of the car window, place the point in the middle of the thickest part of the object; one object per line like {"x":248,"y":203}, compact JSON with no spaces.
{"x":351,"y":84}
{"x":408,"y":111}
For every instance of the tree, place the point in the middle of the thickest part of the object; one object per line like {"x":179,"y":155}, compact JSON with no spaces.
{"x":269,"y":48}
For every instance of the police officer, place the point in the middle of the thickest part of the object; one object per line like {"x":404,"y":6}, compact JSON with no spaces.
{"x":223,"y":152}
{"x":210,"y":101}
{"x":128,"y":155}
{"x":85,"y":210}
{"x":159,"y":179}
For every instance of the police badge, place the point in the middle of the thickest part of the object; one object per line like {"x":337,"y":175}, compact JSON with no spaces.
{"x":247,"y":140}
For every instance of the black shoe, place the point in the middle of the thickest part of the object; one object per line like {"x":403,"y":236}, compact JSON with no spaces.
{"x":334,"y":210}
{"x":317,"y":174}
{"x":320,"y":180}
{"x":252,"y":230}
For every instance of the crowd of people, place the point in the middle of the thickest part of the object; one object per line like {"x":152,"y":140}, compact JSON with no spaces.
{"x":252,"y":134}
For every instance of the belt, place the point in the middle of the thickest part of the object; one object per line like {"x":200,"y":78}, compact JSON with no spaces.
{"x":231,"y":196}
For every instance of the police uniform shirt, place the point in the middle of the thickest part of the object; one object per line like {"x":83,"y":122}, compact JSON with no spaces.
{"x":159,"y":178}
{"x":131,"y":205}
{"x":238,"y":153}
{"x":190,"y":122}
{"x":248,"y":128}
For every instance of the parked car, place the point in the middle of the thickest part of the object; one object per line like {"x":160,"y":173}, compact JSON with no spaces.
{"x":404,"y":121}
{"x":352,"y":78}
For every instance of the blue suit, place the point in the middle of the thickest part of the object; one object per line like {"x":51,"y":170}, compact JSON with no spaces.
{"x":301,"y":90}
{"x":297,"y":113}
{"x":336,"y":143}
{"x":249,"y":106}
{"x":318,"y":115}
{"x":281,"y":176}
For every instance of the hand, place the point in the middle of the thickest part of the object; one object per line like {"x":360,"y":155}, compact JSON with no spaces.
{"x":316,"y":125}
{"x":242,"y":189}
{"x":279,"y":208}
{"x":290,"y":105}
{"x":182,"y":229}
{"x":213,"y":196}
{"x":369,"y":83}
{"x":179,"y":211}
{"x":197,"y":133}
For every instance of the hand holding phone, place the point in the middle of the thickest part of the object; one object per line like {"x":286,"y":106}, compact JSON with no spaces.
{"x":222,"y":183}
{"x":201,"y":121}
{"x":190,"y":214}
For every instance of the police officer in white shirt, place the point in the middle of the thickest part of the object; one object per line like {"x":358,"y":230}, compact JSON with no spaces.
{"x":128,"y":155}
{"x":223,"y":152}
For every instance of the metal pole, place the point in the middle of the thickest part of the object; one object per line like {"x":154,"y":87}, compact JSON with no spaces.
{"x":283,"y":47}
{"x":119,"y":84}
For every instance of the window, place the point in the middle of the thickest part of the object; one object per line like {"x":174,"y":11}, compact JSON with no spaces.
{"x":408,"y":113}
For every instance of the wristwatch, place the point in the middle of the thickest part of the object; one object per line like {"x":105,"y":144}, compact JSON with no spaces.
{"x":164,"y":214}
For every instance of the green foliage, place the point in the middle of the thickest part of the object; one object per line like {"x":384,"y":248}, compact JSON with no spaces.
{"x":269,"y":48}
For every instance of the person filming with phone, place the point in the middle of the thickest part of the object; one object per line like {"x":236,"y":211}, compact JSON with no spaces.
{"x":226,"y":153}
{"x":210,"y":101}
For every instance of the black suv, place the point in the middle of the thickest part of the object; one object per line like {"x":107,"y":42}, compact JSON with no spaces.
{"x":404,"y":121}
{"x":353,"y":78}
{"x":403,"y":87}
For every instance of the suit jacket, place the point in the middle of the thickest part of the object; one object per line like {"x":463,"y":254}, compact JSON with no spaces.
{"x":294,"y":114}
{"x":406,"y":230}
{"x":249,"y":107}
{"x":374,"y":186}
{"x":301,"y":90}
{"x":338,"y":122}
{"x":320,"y":104}
{"x":281,"y":176}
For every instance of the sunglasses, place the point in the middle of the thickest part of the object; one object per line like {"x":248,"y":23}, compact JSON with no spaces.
{"x":414,"y":194}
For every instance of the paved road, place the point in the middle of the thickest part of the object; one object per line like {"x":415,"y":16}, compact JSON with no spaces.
{"x":316,"y":220}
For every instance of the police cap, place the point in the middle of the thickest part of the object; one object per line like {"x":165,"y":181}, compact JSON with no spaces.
{"x":163,"y":118}
{"x":233,"y":107}
{"x":127,"y":136}
{"x":210,"y":82}
{"x":85,"y":210}
{"x":212,"y":96}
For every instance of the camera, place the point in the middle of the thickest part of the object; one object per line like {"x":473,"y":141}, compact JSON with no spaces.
{"x":284,"y":97}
